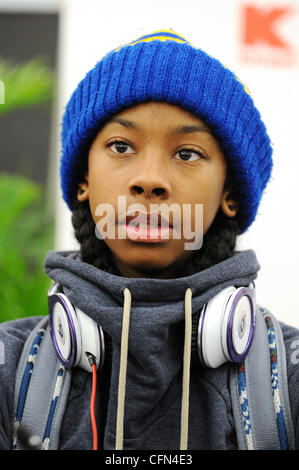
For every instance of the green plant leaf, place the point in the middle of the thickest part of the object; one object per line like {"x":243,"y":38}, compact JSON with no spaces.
{"x":26,"y":234}
{"x":26,"y":84}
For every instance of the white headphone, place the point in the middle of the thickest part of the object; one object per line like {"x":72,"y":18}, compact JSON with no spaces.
{"x":74,"y":334}
{"x":225,"y":326}
{"x":222,"y":331}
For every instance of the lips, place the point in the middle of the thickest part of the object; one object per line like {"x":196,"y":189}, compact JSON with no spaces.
{"x":151,"y":219}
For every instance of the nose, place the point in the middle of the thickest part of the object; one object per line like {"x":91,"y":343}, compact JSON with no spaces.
{"x":150,"y":179}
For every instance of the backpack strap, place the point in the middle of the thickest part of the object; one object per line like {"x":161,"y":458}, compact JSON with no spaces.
{"x":259,"y":391}
{"x":41,"y":389}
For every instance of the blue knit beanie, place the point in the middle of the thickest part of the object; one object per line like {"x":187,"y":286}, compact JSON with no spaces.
{"x":165,"y":67}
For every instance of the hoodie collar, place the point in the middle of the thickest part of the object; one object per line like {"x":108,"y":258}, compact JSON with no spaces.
{"x":67,"y":268}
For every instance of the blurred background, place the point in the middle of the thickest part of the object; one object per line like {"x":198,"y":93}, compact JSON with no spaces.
{"x":46,"y":48}
{"x":28,"y":67}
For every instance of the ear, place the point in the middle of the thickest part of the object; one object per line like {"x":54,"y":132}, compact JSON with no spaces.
{"x":228,"y":204}
{"x":83,"y":190}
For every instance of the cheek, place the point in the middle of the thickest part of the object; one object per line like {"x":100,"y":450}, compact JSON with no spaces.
{"x":97,"y":194}
{"x":100,"y":182}
{"x":209,"y":195}
{"x":103,"y":173}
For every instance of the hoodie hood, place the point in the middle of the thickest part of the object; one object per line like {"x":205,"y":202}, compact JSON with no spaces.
{"x":149,"y":324}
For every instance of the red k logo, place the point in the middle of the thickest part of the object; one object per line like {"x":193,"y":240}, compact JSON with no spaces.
{"x":260,"y":26}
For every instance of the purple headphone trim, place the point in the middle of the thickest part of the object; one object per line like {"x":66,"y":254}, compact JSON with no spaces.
{"x":52,"y":299}
{"x":233,"y":355}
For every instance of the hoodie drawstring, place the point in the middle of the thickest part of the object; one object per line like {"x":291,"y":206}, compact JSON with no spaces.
{"x":186,"y":370}
{"x":123,"y":370}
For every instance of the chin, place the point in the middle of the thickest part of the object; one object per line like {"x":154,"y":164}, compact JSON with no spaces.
{"x":147,"y":266}
{"x":148,"y":259}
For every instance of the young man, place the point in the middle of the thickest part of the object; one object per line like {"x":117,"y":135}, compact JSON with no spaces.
{"x":157,"y":127}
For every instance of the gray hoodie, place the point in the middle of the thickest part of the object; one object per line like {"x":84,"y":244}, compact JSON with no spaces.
{"x":153,"y":388}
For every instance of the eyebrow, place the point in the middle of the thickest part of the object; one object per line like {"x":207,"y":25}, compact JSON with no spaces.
{"x":177,"y":130}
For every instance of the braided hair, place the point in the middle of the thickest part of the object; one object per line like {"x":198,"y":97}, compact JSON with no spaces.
{"x":218,"y":243}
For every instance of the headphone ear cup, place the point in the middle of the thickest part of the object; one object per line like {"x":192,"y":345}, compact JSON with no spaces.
{"x":226,"y":327}
{"x":65,"y":330}
{"x":194,"y":343}
{"x":74,"y":333}
{"x":210,"y":349}
{"x":92,"y":341}
{"x":239,"y":324}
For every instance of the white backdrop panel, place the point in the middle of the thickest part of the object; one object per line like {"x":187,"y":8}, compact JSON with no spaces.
{"x":91,"y":28}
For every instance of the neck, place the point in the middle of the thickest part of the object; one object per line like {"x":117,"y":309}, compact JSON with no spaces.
{"x":170,"y":272}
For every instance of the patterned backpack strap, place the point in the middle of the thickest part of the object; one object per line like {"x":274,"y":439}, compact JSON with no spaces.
{"x":259,"y":391}
{"x":41,"y":389}
{"x":281,"y":398}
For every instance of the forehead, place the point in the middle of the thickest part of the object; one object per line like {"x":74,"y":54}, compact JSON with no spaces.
{"x":158,"y":116}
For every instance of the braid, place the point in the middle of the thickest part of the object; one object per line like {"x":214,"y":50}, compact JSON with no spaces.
{"x":93,"y":250}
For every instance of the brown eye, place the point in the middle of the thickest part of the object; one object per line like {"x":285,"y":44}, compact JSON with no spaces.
{"x":190,"y":155}
{"x":120,"y":146}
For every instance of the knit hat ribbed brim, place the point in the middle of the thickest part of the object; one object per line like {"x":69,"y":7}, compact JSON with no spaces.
{"x":165,"y":67}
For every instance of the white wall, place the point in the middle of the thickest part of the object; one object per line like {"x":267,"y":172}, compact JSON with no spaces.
{"x":91,"y":28}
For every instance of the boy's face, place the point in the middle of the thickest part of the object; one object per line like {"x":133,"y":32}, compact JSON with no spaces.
{"x":155,"y":163}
